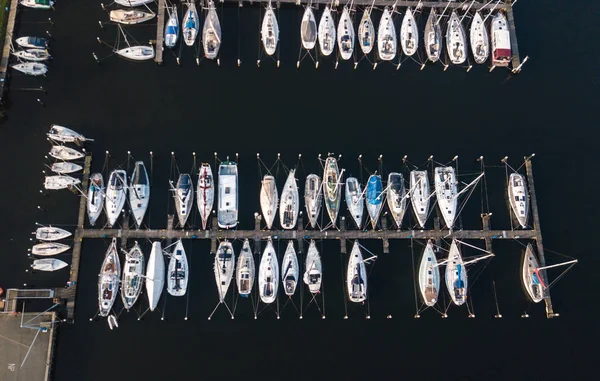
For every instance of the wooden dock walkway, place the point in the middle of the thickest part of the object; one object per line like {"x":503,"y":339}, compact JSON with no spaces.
{"x":10,"y":26}
{"x":386,"y":3}
{"x":514,"y":46}
{"x":160,"y":30}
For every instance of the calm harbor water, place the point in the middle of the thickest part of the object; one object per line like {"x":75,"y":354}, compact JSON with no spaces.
{"x":549,"y":109}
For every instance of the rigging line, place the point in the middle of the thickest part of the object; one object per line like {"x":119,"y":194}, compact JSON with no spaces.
{"x":560,"y":276}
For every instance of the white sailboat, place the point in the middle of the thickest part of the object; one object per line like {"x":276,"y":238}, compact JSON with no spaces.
{"x":356,"y":276}
{"x":224,"y":265}
{"x":288,"y":209}
{"x":456,"y":40}
{"x":268,"y":199}
{"x":326,"y":32}
{"x":66,"y":135}
{"x":429,"y":276}
{"x":172,"y":27}
{"x":456,"y":275}
{"x":139,"y":192}
{"x":313,"y":198}
{"x":387,"y":43}
{"x":63,"y":167}
{"x":37,"y":4}
{"x":345,"y":35}
{"x":95,"y":197}
{"x":136,"y":52}
{"x":211,"y":33}
{"x":51,"y":233}
{"x":500,"y":39}
{"x":205,"y":192}
{"x":409,"y":34}
{"x":183,"y":194}
{"x":155,"y":275}
{"x":290,"y":270}
{"x":268,"y":274}
{"x":519,"y":198}
{"x":130,"y":16}
{"x":433,"y":37}
{"x":396,"y":197}
{"x":270,"y":31}
{"x":60,"y":182}
{"x":227,"y":211}
{"x":480,"y":43}
{"x":446,"y":193}
{"x":332,"y":188}
{"x":48,"y":264}
{"x":366,"y":32}
{"x":178,"y":271}
{"x":115,"y":196}
{"x":31,"y":68}
{"x":191,"y":24}
{"x":29,"y":42}
{"x":65,"y":153}
{"x":308,"y":28}
{"x":419,"y":195}
{"x":133,"y":276}
{"x":34,"y":55}
{"x":313,"y":269}
{"x":245,"y":270}
{"x":108,"y":279}
{"x":354,"y":200}
{"x":133,"y":3}
{"x":48,"y":249}
{"x":374,"y":198}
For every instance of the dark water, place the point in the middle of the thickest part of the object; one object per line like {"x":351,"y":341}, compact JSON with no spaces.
{"x":549,"y":109}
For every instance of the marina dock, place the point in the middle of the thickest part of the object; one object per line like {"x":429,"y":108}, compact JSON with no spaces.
{"x":160,"y":31}
{"x":10,"y":26}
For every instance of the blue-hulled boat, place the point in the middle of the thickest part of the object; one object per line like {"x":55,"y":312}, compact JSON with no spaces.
{"x":172,"y":28}
{"x":374,"y":198}
{"x":190,"y":25}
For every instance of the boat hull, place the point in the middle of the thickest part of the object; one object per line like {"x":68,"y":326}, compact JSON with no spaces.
{"x":288,"y":209}
{"x":332,"y":189}
{"x":95,"y":199}
{"x":480,"y":43}
{"x":456,"y":276}
{"x":308,"y":29}
{"x":47,"y":249}
{"x":500,"y":41}
{"x":184,"y":198}
{"x":137,"y":53}
{"x":313,"y":274}
{"x":313,"y":198}
{"x":108,"y":280}
{"x":269,"y":200}
{"x":205,"y":192}
{"x":354,"y":200}
{"x":178,"y":271}
{"x":289,"y":270}
{"x":396,"y":197}
{"x":172,"y":28}
{"x":387,"y":43}
{"x":518,"y":198}
{"x":65,"y":167}
{"x":345,"y":35}
{"x":139,"y":193}
{"x":116,"y":194}
{"x":429,"y":276}
{"x":48,"y":264}
{"x":532,"y":282}
{"x":190,"y":25}
{"x":366,"y":32}
{"x":65,"y":153}
{"x":268,"y":275}
{"x":433,"y":37}
{"x":270,"y":31}
{"x":245,"y":270}
{"x":224,"y":266}
{"x":132,"y":279}
{"x":409,"y":34}
{"x":155,"y":275}
{"x":456,"y":40}
{"x":227,"y":211}
{"x":356,"y":276}
{"x":211,"y":33}
{"x":446,"y":191}
{"x":374,"y":198}
{"x":419,"y":197}
{"x":49,"y":234}
{"x":130,"y":17}
{"x":326,"y":32}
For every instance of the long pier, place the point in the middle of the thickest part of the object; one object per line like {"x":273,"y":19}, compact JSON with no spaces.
{"x":160,"y":31}
{"x":10,"y":26}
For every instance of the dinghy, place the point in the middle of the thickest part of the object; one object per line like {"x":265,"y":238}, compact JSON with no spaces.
{"x":245,"y":270}
{"x":172,"y":28}
{"x":446,"y":193}
{"x":500,"y":38}
{"x":288,"y":209}
{"x":289,"y":269}
{"x":224,"y":265}
{"x":227,"y":211}
{"x":313,"y":198}
{"x":345,"y":35}
{"x":354,"y":200}
{"x":419,"y":195}
{"x":326,"y":32}
{"x":133,"y":3}
{"x":38,"y":4}
{"x":270,"y":31}
{"x":48,"y":249}
{"x":95,"y":197}
{"x":137,"y":53}
{"x":519,"y":198}
{"x":65,"y":153}
{"x":386,"y":37}
{"x":133,"y":276}
{"x":60,"y":182}
{"x":429,"y":276}
{"x":356,"y":276}
{"x":155,"y":275}
{"x":433,"y":37}
{"x":31,"y":68}
{"x":268,"y":274}
{"x":130,"y":17}
{"x":205,"y":192}
{"x":48,"y":264}
{"x":183,"y":194}
{"x":178,"y":272}
{"x":29,"y":42}
{"x":456,"y":40}
{"x":66,"y":135}
{"x":366,"y":32}
{"x":456,"y":276}
{"x":331,"y":188}
{"x":51,"y":233}
{"x":374,"y":198}
{"x":211,"y":33}
{"x":116,"y":194}
{"x":313,"y":274}
{"x":480,"y":45}
{"x":63,"y":167}
{"x":34,"y":55}
{"x":139,"y":192}
{"x":308,"y":29}
{"x":268,"y":199}
{"x":532,"y":280}
{"x":396,"y":197}
{"x":409,"y":34}
{"x":191,"y":24}
{"x":108,"y":280}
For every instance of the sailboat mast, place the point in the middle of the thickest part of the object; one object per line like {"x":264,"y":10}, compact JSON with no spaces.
{"x":557,"y":265}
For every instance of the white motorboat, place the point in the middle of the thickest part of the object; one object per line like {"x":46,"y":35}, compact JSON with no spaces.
{"x":446,"y":193}
{"x":133,"y":3}
{"x":227,"y":211}
{"x":178,"y":272}
{"x":51,"y":233}
{"x":60,"y":182}
{"x":356,"y":276}
{"x":519,"y":198}
{"x":270,"y":31}
{"x":366,"y":32}
{"x":308,"y":29}
{"x":38,"y":4}
{"x":429,"y":276}
{"x":130,"y":16}
{"x":332,"y":188}
{"x":313,"y":198}
{"x":29,"y":42}
{"x":115,"y":196}
{"x":396,"y":197}
{"x":66,"y":135}
{"x":269,"y":199}
{"x":31,"y":68}
{"x":387,"y":43}
{"x":419,"y":195}
{"x":355,"y":200}
{"x":326,"y":32}
{"x":456,"y":276}
{"x":500,"y":39}
{"x":532,"y":280}
{"x":155,"y":275}
{"x":108,"y":280}
{"x":211,"y":33}
{"x":224,"y":266}
{"x":205,"y":192}
{"x":65,"y":153}
{"x":345,"y":35}
{"x":133,"y":276}
{"x":480,"y":43}
{"x":48,"y":249}
{"x":48,"y":264}
{"x":245,"y":270}
{"x":95,"y":197}
{"x":313,"y":273}
{"x":433,"y":37}
{"x":183,"y":194}
{"x":34,"y":55}
{"x":409,"y":34}
{"x":139,"y":192}
{"x":172,"y":27}
{"x":289,"y":269}
{"x":268,"y":274}
{"x":374,"y":198}
{"x":63,"y":167}
{"x":289,"y":204}
{"x":456,"y":40}
{"x":137,"y":53}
